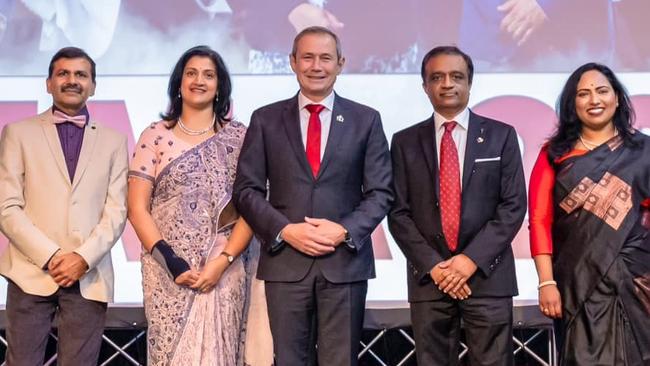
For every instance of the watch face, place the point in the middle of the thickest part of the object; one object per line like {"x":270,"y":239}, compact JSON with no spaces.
{"x":229,"y":257}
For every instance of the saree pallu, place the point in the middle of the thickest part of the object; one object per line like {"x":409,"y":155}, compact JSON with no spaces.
{"x":601,"y":255}
{"x":191,"y":208}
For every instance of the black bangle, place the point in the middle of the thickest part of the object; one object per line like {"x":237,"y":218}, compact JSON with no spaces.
{"x":167,"y":258}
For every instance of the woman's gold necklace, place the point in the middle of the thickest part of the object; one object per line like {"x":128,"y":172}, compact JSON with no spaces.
{"x":590,"y":145}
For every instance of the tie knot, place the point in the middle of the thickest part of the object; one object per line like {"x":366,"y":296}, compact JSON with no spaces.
{"x":449,"y":126}
{"x":315,"y":108}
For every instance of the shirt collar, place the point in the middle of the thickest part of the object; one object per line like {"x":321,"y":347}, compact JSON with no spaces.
{"x":83,"y":111}
{"x":328,"y":102}
{"x":461,"y":118}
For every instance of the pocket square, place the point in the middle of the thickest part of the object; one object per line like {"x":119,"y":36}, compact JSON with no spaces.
{"x":483,"y":160}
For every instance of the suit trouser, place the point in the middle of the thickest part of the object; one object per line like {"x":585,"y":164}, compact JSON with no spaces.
{"x":337,"y":309}
{"x":487,"y":324}
{"x":80,"y":326}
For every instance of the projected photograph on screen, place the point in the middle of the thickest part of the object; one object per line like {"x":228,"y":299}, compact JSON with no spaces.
{"x":379,"y":36}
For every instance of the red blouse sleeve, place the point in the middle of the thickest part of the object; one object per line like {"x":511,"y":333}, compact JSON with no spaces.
{"x":540,"y":205}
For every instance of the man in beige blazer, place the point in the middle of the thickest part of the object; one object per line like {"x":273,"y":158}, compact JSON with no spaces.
{"x":62,"y":207}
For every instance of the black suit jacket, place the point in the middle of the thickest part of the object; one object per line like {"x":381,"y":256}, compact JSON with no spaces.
{"x":492,"y":208}
{"x":353,"y":187}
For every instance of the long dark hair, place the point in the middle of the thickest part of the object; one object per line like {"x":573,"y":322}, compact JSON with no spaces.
{"x":221,"y":106}
{"x":569,"y":125}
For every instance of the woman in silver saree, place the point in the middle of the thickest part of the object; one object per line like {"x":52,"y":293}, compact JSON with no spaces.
{"x":194,"y":270}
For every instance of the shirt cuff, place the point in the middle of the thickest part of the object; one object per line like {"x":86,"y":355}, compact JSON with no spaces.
{"x":47,"y":264}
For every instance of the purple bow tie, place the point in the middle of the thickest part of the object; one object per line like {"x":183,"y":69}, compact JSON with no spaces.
{"x":60,"y":117}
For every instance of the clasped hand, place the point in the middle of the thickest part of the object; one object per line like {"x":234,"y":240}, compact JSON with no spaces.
{"x":206,"y":279}
{"x":451,"y":276}
{"x":314,"y":237}
{"x":67,"y":268}
{"x":522,"y":18}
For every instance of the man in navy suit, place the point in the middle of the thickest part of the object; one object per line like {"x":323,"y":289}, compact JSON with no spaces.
{"x":323,"y":163}
{"x":460,"y":198}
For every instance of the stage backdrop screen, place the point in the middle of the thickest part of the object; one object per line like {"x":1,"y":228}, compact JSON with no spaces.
{"x":522,"y":56}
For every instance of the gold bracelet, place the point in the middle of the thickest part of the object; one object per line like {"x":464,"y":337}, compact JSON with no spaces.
{"x":546,"y":283}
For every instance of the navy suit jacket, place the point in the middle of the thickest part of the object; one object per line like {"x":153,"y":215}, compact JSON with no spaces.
{"x":275,"y":187}
{"x":493,"y":206}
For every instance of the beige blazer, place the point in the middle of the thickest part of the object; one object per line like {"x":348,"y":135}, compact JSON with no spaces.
{"x":41,"y":211}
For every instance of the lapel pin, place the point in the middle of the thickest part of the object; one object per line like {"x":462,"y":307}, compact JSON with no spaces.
{"x":480,"y":140}
{"x":339,"y":118}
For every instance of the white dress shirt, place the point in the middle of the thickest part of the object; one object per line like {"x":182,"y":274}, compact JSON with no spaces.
{"x":325,"y":122}
{"x":325,"y":119}
{"x":459,"y":134}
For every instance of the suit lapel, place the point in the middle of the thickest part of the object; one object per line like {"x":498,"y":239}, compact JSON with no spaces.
{"x":291,"y":121}
{"x":475,"y":137}
{"x":87,"y":147}
{"x":54,"y":143}
{"x":338,"y":128}
{"x":427,"y":137}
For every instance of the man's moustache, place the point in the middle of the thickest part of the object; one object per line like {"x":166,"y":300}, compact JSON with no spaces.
{"x":71,"y":88}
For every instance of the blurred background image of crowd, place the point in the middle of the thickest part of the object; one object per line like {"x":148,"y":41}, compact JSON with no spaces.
{"x":141,"y":37}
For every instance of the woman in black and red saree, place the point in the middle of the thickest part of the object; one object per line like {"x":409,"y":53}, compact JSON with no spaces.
{"x":591,"y":249}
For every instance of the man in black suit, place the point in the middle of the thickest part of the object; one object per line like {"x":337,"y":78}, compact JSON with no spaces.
{"x":323,"y":162}
{"x":460,"y":198}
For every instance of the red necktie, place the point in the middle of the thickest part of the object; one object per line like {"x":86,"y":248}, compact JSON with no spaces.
{"x":60,"y":117}
{"x":449,"y":187}
{"x":313,"y":137}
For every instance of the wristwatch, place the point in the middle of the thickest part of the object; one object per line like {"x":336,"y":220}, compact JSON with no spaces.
{"x":348,"y":239}
{"x":228,"y":256}
{"x":349,"y":243}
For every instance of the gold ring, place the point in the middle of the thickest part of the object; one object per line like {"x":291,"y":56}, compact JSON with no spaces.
{"x":545,"y":310}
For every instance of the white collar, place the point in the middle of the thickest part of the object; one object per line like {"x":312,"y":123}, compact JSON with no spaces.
{"x":462,"y":119}
{"x":328,"y":102}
